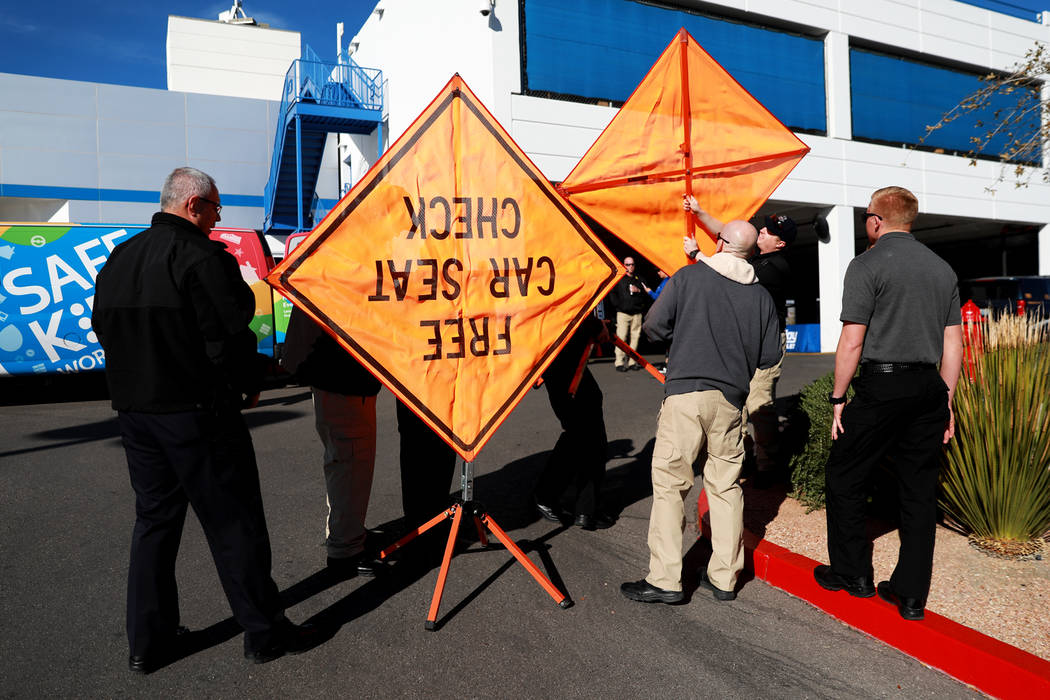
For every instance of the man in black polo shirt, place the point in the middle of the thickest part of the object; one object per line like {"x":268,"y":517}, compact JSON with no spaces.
{"x":900,"y":316}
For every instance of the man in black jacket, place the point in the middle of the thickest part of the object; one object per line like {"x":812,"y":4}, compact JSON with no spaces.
{"x":172,"y":312}
{"x":630,"y":298}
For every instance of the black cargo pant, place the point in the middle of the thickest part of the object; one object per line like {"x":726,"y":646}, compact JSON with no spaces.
{"x":204,"y":459}
{"x":902,"y":417}
{"x":580,"y":454}
{"x":427,"y":467}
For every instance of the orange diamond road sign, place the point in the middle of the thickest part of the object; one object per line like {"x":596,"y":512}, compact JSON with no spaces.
{"x":453,"y":270}
{"x":689,"y":127}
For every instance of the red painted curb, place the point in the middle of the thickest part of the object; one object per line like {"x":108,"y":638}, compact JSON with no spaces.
{"x":987,"y":664}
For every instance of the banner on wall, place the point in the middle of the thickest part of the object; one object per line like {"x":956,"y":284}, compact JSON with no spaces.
{"x":689,"y":127}
{"x":453,"y":270}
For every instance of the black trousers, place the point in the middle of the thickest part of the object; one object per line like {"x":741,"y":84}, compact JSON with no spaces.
{"x":427,"y":467}
{"x":579,"y":455}
{"x":206,"y":460}
{"x":901,"y":417}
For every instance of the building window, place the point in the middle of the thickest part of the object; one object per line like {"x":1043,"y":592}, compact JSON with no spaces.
{"x":894,"y":99}
{"x":599,"y":50}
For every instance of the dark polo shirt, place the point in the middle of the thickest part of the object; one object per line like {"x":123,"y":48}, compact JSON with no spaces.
{"x":906,"y":295}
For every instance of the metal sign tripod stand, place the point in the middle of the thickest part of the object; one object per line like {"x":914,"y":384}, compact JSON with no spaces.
{"x":482,"y":520}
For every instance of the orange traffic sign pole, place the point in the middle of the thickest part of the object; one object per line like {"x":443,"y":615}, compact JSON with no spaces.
{"x":687,"y":127}
{"x":578,"y":375}
{"x":619,"y":342}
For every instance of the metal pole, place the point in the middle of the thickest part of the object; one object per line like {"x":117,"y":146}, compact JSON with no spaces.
{"x":466,"y":481}
{"x":299,"y":168}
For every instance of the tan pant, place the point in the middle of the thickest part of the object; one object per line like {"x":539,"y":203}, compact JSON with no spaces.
{"x":629,"y":329}
{"x":760,"y":413}
{"x":347,"y":428}
{"x":686,"y":425}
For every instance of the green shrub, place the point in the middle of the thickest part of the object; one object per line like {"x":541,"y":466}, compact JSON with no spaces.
{"x":807,"y":466}
{"x":995,"y":478}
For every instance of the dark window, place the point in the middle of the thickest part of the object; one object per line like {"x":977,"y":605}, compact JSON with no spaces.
{"x":894,"y":99}
{"x":599,"y":50}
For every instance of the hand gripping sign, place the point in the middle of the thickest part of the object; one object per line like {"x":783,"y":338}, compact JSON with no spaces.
{"x":690,"y":128}
{"x":453,"y":270}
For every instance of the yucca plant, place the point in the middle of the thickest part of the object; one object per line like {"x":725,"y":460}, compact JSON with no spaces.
{"x":995,"y":479}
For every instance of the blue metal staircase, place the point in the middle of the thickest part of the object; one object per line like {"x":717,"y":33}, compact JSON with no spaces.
{"x":319,"y":98}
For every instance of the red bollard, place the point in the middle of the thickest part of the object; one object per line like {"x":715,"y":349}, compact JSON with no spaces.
{"x":973,"y":338}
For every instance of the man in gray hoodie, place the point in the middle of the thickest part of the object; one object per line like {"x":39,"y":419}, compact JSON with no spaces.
{"x":722,"y":325}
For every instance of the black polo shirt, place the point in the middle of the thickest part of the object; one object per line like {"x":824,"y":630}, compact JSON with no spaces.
{"x":906,"y":295}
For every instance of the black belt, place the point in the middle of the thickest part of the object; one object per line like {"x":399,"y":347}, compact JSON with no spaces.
{"x":867,"y":368}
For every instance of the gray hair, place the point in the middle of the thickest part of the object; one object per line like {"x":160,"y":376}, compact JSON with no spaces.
{"x":184,"y":183}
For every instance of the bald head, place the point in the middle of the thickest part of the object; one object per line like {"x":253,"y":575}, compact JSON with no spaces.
{"x":739,"y":238}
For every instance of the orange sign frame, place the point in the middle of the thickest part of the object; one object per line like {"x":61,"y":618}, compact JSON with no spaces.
{"x":453,"y":270}
{"x":688,"y":128}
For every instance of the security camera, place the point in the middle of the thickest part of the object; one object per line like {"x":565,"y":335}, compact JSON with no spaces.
{"x":485,"y":7}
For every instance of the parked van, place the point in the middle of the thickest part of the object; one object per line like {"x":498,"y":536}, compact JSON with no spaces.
{"x":47,"y":286}
{"x":1004,"y":293}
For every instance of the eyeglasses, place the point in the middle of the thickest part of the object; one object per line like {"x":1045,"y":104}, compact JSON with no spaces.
{"x":869,"y":214}
{"x":628,"y":264}
{"x":218,"y":207}
{"x":722,"y":239}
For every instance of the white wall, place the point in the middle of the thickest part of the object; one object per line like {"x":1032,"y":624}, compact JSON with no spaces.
{"x":419,"y":44}
{"x":235,"y":60}
{"x":114,"y":145}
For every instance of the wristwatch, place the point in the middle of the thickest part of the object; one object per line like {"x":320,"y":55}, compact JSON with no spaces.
{"x":835,"y":400}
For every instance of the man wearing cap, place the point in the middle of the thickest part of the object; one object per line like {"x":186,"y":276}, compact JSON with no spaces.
{"x":773,"y":272}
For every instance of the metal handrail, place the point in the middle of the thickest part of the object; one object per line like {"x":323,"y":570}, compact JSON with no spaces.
{"x":309,"y":79}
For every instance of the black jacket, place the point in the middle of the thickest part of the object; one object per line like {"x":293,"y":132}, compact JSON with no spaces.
{"x":774,"y":274}
{"x":319,"y":361}
{"x":171,"y":312}
{"x":628,"y":303}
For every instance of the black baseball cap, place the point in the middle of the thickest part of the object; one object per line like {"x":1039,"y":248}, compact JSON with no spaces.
{"x":781,"y":226}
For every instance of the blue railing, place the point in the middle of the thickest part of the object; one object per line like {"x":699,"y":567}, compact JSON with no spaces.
{"x":311,"y":80}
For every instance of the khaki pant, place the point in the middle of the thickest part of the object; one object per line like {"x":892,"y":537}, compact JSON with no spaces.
{"x":688,"y":424}
{"x":347,"y":428}
{"x":629,"y":329}
{"x":760,"y":414}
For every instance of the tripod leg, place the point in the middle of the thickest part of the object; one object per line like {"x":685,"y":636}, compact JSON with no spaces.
{"x":436,"y":520}
{"x":435,"y":602}
{"x":482,"y":537}
{"x":562,"y":600}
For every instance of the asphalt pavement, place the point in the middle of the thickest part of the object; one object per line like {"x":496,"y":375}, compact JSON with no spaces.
{"x":66,"y":512}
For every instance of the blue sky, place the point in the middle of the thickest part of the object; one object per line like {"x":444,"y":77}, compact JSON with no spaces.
{"x":119,"y":41}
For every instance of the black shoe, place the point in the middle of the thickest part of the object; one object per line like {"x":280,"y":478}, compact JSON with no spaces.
{"x":149,"y":663}
{"x":360,"y":564}
{"x":593,"y":522}
{"x":635,"y":367}
{"x":621,"y":368}
{"x":909,"y":608}
{"x":717,"y":592}
{"x":552,"y":513}
{"x":292,"y":639}
{"x":645,"y":592}
{"x":859,"y":587}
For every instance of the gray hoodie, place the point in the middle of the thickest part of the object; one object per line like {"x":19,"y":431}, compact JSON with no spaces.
{"x":722,"y":326}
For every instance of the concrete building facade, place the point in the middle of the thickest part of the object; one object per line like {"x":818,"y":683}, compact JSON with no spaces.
{"x":857,"y":82}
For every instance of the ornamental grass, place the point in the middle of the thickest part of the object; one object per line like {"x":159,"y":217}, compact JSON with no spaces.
{"x":995,"y":479}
